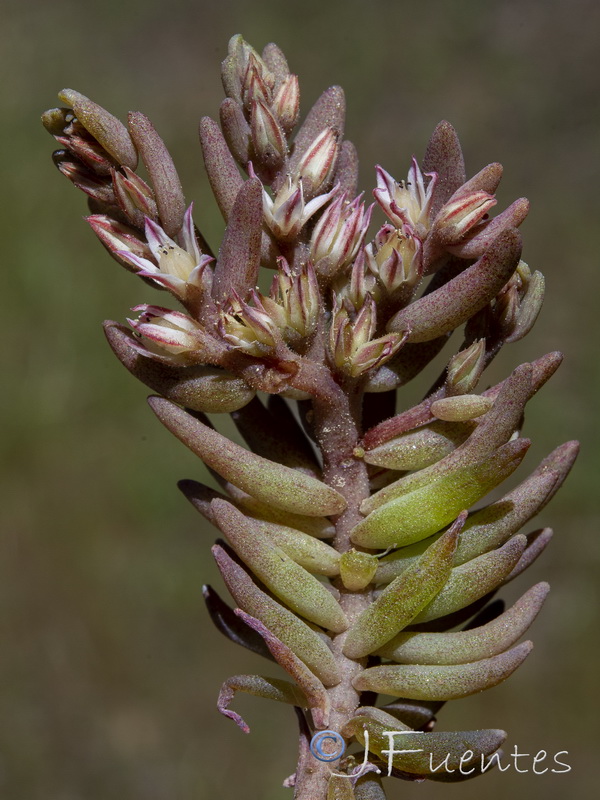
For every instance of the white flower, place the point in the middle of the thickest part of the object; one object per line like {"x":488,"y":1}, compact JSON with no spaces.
{"x":175,"y":266}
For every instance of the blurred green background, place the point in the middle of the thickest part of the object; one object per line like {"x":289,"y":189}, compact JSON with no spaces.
{"x":109,"y":669}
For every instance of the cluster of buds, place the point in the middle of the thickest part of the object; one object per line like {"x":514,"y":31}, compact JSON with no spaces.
{"x":350,"y":527}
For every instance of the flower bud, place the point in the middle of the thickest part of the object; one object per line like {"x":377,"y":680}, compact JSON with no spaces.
{"x":352,"y":348}
{"x":134,"y":196}
{"x":361,"y":283}
{"x":465,"y":368}
{"x":293,"y":302}
{"x":249,"y":328}
{"x":242,"y":66}
{"x":255,"y":88}
{"x":89,"y":152}
{"x":286,"y":105}
{"x":519,"y":303}
{"x":117,"y":237}
{"x":395,"y":257}
{"x":338,"y":234}
{"x":268,"y":138}
{"x":172,"y":336}
{"x":459,"y":216}
{"x":317,"y":164}
{"x":81,"y":176}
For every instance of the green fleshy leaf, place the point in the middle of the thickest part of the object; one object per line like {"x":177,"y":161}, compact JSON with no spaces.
{"x":239,"y":255}
{"x":466,"y":646}
{"x":494,"y":429}
{"x":443,"y":156}
{"x":416,"y":714}
{"x":319,"y":701}
{"x":292,"y":631}
{"x":340,"y":788}
{"x":271,"y":483}
{"x":223,"y":175}
{"x":259,"y":686}
{"x":368,"y":787}
{"x":300,"y":590}
{"x":232,"y":626}
{"x":434,"y":747}
{"x":474,"y":579}
{"x":477,"y":243}
{"x":346,"y":172}
{"x":236,"y":131}
{"x":420,"y":513}
{"x":461,"y":408}
{"x":536,"y":544}
{"x":273,"y":433}
{"x":402,"y":600}
{"x":103,"y":126}
{"x":311,"y":553}
{"x":206,"y":389}
{"x":319,"y":527}
{"x":492,"y":526}
{"x":161,"y":169}
{"x":434,"y":682}
{"x":420,"y":448}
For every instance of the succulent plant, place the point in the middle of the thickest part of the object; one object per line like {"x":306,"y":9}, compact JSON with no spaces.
{"x":351,"y":546}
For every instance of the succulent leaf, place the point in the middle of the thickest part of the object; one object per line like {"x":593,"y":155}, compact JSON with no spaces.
{"x":426,"y":509}
{"x":429,"y":747}
{"x":474,"y":579}
{"x":259,"y":686}
{"x":231,"y":626}
{"x":271,"y":483}
{"x":290,"y":582}
{"x":470,"y":645}
{"x":292,"y":631}
{"x":446,"y":682}
{"x":401,"y":601}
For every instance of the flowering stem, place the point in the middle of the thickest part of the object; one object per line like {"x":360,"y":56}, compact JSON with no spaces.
{"x":337,"y":429}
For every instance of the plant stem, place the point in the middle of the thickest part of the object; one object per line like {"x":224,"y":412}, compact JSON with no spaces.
{"x":338,"y":430}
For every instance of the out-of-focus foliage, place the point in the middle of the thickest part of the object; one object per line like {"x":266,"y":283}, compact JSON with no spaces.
{"x":107,"y":681}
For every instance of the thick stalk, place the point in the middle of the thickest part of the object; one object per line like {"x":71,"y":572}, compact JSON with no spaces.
{"x":337,"y":427}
